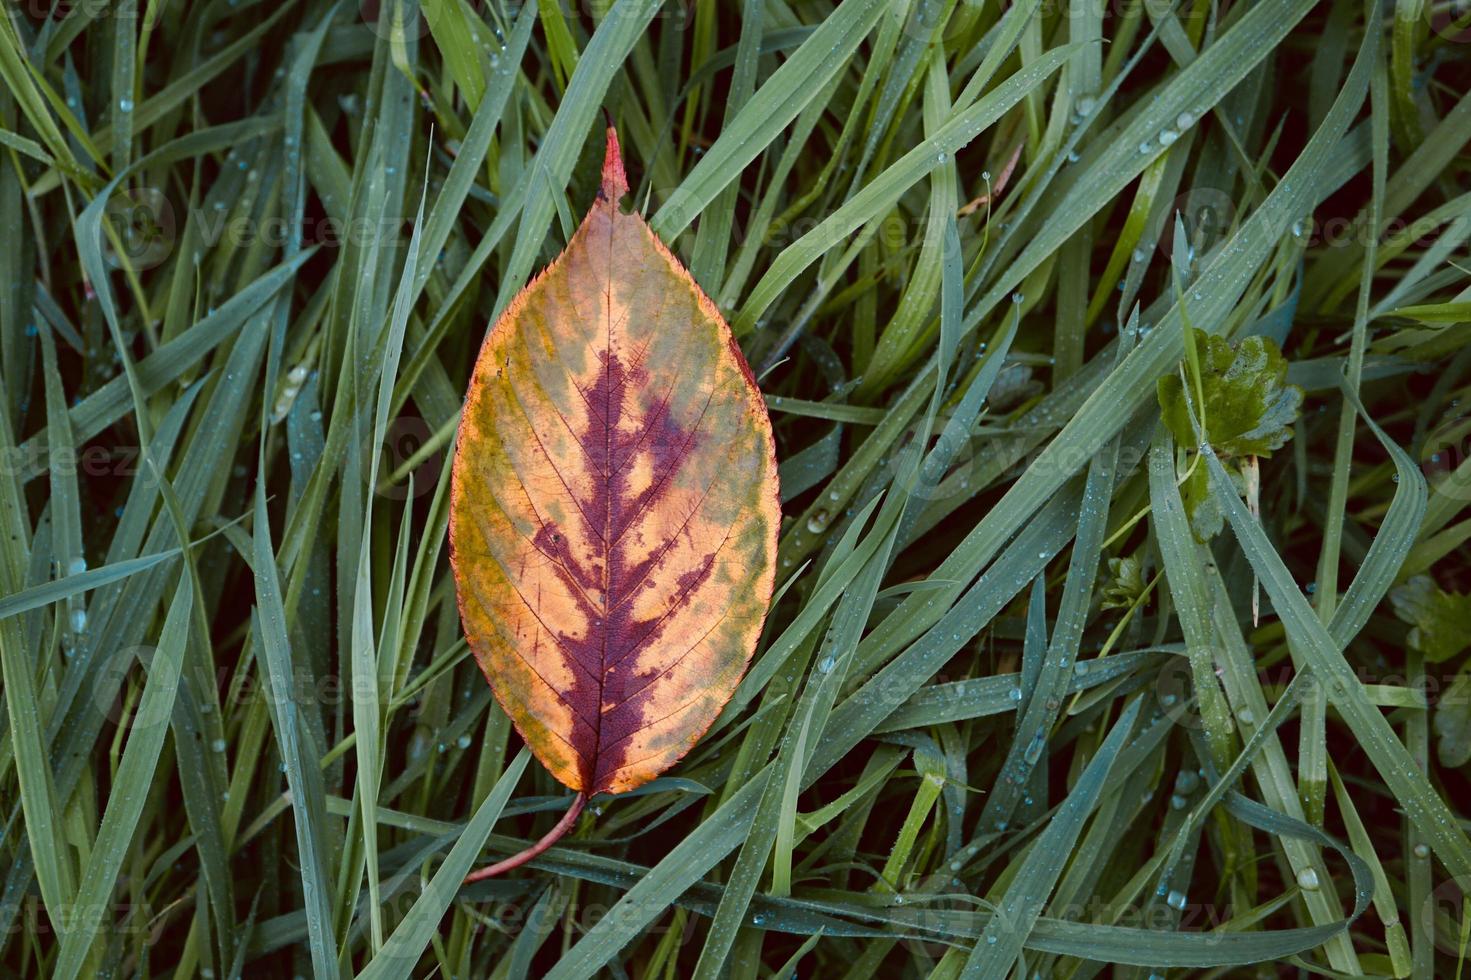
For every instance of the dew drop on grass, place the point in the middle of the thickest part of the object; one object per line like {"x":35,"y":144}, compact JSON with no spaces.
{"x":1422,"y":850}
{"x":1176,"y":900}
{"x":218,"y":745}
{"x":1307,"y":880}
{"x":77,"y":566}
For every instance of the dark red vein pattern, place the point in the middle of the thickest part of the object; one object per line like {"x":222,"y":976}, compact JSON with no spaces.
{"x":614,"y":510}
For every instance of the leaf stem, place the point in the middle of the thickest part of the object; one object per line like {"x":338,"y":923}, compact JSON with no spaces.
{"x":552,"y":836}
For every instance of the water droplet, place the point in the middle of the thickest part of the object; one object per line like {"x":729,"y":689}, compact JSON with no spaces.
{"x":827,"y":665}
{"x":1138,"y":255}
{"x":990,"y":940}
{"x":79,"y":620}
{"x":1184,"y":121}
{"x":1167,"y":136}
{"x":818,"y":522}
{"x":1015,"y":694}
{"x":1307,"y":880}
{"x":1178,"y":802}
{"x":1422,"y":850}
{"x":125,"y":105}
{"x":941,"y":157}
{"x":76,"y":566}
{"x":1176,"y":900}
{"x":1086,"y":105}
{"x":218,"y":745}
{"x":1072,"y":156}
{"x":1186,"y":782}
{"x":463,"y":741}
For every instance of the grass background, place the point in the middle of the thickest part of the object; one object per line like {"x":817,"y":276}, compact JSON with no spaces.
{"x":1009,"y":713}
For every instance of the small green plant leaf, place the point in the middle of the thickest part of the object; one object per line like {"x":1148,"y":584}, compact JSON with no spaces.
{"x":1453,"y":722}
{"x":1125,"y":582}
{"x":1440,"y":621}
{"x":1249,"y":406}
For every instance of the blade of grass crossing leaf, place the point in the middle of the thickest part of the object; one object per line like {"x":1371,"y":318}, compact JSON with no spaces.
{"x":130,"y":786}
{"x":303,"y":772}
{"x":62,"y":589}
{"x":1384,"y":900}
{"x":550,"y":169}
{"x":768,"y":112}
{"x":775,"y":817}
{"x":1184,"y":562}
{"x":400,"y":954}
{"x":367,"y":705}
{"x":38,"y":797}
{"x":1422,"y":805}
{"x":1130,"y":385}
{"x":1313,"y":737}
{"x":1002,"y":941}
{"x":880,"y":194}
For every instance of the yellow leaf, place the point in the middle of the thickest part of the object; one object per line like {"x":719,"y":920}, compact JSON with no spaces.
{"x":614,"y":511}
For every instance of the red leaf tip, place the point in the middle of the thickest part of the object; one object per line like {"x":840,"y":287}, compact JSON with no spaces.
{"x":615,"y":181}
